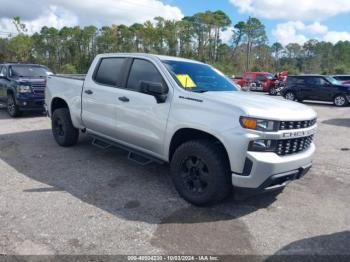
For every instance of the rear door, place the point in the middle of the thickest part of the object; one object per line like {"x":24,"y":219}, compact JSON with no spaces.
{"x":311,"y":87}
{"x":141,"y":120}
{"x":100,"y":96}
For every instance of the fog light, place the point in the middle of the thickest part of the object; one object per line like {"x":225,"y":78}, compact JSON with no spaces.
{"x":262,"y":145}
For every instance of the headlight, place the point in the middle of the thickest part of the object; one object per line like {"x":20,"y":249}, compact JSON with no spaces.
{"x":259,"y":124}
{"x":24,"y":89}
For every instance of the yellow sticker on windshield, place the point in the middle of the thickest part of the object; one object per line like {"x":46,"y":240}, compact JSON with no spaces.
{"x":186,"y":81}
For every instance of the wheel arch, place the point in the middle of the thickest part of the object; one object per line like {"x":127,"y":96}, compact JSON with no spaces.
{"x":57,"y":103}
{"x":183,"y":135}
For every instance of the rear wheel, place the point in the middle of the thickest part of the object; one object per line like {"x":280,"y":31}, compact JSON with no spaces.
{"x":12,"y":108}
{"x":340,"y":100}
{"x":200,"y":172}
{"x":290,"y":96}
{"x":63,"y":130}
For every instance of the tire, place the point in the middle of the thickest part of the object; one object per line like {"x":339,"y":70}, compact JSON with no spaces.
{"x":290,"y":96}
{"x":201,"y":173}
{"x":272,"y":91}
{"x":12,"y":108}
{"x":340,"y":100}
{"x":63,"y":130}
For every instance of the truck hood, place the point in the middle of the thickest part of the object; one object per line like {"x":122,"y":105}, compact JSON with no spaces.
{"x":261,"y":106}
{"x":29,"y":80}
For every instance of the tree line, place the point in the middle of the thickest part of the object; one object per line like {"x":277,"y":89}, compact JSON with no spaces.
{"x":71,"y":49}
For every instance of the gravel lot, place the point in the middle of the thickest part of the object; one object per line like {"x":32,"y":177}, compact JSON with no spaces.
{"x":85,"y":200}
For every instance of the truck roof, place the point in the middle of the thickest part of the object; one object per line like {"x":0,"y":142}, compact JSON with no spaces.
{"x":303,"y":75}
{"x":160,"y":57}
{"x":22,"y":64}
{"x":258,"y":73}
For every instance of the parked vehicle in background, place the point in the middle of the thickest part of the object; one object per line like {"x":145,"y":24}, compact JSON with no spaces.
{"x":263,"y":81}
{"x":236,"y":79}
{"x":344,"y":79}
{"x":279,"y":84}
{"x":188,"y":114}
{"x":316,"y":87}
{"x":22,"y":87}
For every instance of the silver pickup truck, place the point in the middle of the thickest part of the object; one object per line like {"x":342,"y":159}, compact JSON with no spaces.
{"x":186,"y":113}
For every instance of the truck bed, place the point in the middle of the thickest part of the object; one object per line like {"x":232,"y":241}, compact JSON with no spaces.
{"x":71,"y":76}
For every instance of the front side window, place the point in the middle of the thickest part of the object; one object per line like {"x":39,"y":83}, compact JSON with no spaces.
{"x":198,"y":77}
{"x":109,"y":71}
{"x":26,"y":71}
{"x":142,"y":70}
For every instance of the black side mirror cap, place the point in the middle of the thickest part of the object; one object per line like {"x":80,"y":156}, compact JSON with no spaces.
{"x":158,"y":90}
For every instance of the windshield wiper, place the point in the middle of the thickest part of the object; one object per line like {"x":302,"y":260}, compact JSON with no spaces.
{"x":200,"y":91}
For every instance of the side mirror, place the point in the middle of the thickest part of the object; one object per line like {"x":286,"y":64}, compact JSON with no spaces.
{"x":158,"y":90}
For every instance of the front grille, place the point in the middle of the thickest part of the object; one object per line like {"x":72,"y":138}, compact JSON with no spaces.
{"x":292,"y":146}
{"x":287,"y":125}
{"x":38,"y":88}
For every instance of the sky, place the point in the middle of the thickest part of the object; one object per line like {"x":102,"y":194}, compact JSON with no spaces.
{"x":286,"y":21}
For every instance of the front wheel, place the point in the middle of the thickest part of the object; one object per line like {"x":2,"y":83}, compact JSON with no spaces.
{"x":63,"y":130}
{"x":273,"y":91}
{"x":290,"y":96}
{"x":340,"y":100}
{"x":12,"y":108}
{"x":200,"y":172}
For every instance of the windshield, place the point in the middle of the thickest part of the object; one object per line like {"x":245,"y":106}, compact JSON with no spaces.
{"x":199,"y":77}
{"x":270,"y":76}
{"x":333,"y":80}
{"x":27,"y":71}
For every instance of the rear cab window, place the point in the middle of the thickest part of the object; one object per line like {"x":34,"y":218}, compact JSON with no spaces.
{"x":109,"y":71}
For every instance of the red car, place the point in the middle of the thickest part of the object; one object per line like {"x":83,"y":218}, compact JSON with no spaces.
{"x":266,"y":79}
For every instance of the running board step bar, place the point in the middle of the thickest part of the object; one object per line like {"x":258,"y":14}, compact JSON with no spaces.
{"x":133,"y":155}
{"x":100,"y":144}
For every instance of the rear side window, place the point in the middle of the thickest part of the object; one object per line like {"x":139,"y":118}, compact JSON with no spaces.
{"x":295,"y":80}
{"x":142,"y":70}
{"x":317,"y":81}
{"x":109,"y":71}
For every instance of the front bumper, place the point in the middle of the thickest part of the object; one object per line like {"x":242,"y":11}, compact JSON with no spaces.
{"x":267,"y":169}
{"x":30,"y":104}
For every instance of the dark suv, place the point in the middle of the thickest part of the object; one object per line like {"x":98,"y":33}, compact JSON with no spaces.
{"x":22,"y":87}
{"x":316,"y":87}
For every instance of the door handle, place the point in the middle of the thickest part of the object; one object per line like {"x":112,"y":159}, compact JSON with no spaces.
{"x":124,"y":99}
{"x":88,"y":92}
